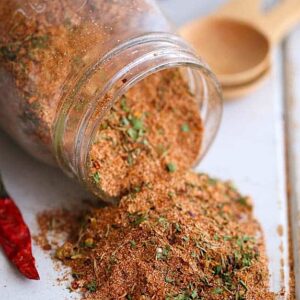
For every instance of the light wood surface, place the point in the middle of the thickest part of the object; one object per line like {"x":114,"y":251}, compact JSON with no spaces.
{"x":250,"y":149}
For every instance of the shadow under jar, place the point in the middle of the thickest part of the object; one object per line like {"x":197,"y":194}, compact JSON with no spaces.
{"x":66,"y":64}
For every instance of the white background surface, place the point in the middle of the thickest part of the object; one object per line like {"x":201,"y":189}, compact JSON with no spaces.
{"x":250,"y":150}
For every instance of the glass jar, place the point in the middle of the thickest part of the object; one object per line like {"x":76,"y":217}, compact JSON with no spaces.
{"x":61,"y":59}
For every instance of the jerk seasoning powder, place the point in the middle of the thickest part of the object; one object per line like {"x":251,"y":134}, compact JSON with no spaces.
{"x":64,"y":64}
{"x":146,"y":136}
{"x":186,"y":237}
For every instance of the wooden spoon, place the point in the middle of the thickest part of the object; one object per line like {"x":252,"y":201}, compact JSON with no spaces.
{"x":237,"y":40}
{"x":237,"y":91}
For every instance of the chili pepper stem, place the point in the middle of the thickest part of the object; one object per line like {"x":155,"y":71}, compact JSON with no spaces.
{"x":3,"y":192}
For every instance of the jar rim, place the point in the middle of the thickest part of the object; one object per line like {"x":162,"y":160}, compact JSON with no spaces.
{"x":166,"y":51}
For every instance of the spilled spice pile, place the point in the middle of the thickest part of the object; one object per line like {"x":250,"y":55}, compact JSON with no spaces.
{"x":187,"y":237}
{"x":153,"y":130}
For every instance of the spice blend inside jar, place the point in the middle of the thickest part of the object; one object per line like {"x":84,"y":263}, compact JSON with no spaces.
{"x":186,"y":237}
{"x":155,"y":129}
{"x":63,"y":65}
{"x":45,"y":46}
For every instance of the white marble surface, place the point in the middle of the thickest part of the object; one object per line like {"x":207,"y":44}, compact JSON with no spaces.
{"x":250,"y":149}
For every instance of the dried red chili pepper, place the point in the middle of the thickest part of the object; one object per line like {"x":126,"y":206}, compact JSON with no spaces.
{"x":15,"y":237}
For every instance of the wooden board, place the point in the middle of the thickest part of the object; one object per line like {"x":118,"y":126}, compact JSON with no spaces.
{"x":292,"y":96}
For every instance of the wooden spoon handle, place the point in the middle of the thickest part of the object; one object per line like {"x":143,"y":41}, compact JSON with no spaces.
{"x":281,"y":19}
{"x":240,"y":9}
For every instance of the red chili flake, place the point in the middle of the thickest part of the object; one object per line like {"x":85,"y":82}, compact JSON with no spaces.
{"x":74,"y":285}
{"x":15,"y":237}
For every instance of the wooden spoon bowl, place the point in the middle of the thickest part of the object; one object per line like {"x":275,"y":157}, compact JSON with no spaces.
{"x":237,"y":40}
{"x":235,"y":50}
{"x":238,"y":91}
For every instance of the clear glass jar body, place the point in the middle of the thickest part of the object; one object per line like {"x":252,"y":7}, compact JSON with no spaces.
{"x":65,"y":62}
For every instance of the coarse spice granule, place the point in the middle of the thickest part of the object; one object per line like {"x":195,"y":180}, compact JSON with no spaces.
{"x":187,"y":237}
{"x":155,"y":129}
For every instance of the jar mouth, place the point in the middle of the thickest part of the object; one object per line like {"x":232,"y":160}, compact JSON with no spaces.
{"x":136,"y":59}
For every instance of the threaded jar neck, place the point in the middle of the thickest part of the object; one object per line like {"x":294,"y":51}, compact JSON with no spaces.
{"x":87,"y":101}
